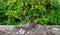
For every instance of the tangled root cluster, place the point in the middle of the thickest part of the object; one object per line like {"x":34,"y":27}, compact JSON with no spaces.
{"x":32,"y":29}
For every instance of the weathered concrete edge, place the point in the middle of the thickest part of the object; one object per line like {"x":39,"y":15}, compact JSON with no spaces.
{"x":21,"y":25}
{"x":53,"y":28}
{"x":13,"y":26}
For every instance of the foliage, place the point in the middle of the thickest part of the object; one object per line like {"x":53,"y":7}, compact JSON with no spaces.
{"x":13,"y":12}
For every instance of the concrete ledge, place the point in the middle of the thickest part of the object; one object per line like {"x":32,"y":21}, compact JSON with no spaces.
{"x":10,"y":28}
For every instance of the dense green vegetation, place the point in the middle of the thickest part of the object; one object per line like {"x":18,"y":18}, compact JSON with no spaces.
{"x":13,"y":12}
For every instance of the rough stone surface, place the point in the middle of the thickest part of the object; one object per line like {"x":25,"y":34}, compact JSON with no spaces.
{"x":24,"y":30}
